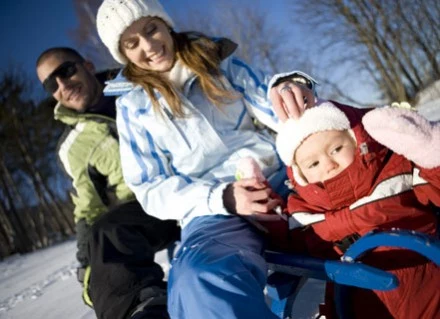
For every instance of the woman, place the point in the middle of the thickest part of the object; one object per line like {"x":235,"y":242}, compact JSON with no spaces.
{"x":185,"y":118}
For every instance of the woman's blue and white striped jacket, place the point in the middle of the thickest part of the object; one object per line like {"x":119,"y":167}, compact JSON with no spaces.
{"x":178,"y":168}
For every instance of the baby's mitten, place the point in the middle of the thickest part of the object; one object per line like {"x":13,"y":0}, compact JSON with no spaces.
{"x":406,"y":133}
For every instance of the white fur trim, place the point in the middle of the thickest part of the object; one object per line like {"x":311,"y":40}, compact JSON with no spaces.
{"x":114,"y":16}
{"x":292,"y":133}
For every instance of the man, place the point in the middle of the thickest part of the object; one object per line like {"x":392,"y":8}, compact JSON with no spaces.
{"x":116,"y":240}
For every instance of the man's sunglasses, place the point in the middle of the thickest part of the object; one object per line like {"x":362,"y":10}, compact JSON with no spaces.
{"x":64,"y":71}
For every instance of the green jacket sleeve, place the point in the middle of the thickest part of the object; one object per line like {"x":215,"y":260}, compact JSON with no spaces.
{"x":106,"y":159}
{"x":90,"y":156}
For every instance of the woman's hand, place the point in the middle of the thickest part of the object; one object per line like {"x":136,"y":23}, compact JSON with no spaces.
{"x":290,"y":99}
{"x":250,"y":198}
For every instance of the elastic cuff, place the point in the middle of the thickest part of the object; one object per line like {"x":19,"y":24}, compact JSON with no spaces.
{"x":215,"y":199}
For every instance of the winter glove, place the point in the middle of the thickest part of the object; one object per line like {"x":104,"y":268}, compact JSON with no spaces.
{"x":82,"y":255}
{"x":82,"y":240}
{"x":407,"y":133}
{"x":83,"y":276}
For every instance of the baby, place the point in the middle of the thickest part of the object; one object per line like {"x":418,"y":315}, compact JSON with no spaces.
{"x":347,"y":183}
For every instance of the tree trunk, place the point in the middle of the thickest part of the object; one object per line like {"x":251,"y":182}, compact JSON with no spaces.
{"x":21,"y":240}
{"x":35,"y":231}
{"x":56,"y":216}
{"x":6,"y":234}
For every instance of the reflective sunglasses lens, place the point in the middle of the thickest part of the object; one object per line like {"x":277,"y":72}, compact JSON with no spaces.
{"x":64,"y":71}
{"x":50,"y":85}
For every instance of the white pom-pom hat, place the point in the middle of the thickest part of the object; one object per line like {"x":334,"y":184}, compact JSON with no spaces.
{"x":291,"y":134}
{"x":114,"y":16}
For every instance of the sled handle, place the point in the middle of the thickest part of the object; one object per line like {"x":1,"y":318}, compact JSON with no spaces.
{"x":344,"y":273}
{"x":423,"y":244}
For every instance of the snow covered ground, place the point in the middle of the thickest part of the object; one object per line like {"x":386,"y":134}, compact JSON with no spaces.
{"x":43,"y":284}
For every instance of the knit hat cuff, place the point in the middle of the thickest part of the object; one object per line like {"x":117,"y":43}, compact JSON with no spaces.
{"x":115,"y":16}
{"x":292,"y":133}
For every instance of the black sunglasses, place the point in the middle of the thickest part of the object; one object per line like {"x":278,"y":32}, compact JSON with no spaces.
{"x":64,"y":71}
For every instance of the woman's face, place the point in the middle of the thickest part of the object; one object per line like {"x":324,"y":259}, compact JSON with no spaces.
{"x":148,"y":44}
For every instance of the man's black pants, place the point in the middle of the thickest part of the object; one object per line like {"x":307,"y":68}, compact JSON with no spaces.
{"x":121,"y":254}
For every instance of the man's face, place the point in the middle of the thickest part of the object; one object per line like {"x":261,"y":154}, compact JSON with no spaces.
{"x":70,"y":82}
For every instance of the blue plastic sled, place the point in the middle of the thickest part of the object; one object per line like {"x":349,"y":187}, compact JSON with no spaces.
{"x":290,"y":272}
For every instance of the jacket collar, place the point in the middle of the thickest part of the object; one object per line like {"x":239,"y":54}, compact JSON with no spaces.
{"x":71,"y":117}
{"x":180,"y":74}
{"x":66,"y":115}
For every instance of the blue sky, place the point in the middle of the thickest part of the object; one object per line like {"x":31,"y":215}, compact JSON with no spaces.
{"x":28,"y":27}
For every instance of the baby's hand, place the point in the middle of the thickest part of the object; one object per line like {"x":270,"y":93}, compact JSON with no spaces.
{"x":298,"y":220}
{"x":406,"y":133}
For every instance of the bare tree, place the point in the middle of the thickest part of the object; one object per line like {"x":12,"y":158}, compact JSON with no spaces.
{"x":28,"y":137}
{"x":395,"y":42}
{"x":7,"y":245}
{"x":262,"y":42}
{"x":19,"y":228}
{"x":86,"y":35}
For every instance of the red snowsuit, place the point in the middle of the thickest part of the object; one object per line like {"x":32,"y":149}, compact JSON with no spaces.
{"x":379,"y":190}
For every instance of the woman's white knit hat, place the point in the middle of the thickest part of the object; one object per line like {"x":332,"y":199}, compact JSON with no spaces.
{"x":292,"y":133}
{"x":114,"y":16}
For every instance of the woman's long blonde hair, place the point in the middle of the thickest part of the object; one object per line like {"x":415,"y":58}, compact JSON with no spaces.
{"x":201,"y":55}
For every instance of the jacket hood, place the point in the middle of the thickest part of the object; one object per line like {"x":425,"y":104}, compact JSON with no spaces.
{"x":351,"y":184}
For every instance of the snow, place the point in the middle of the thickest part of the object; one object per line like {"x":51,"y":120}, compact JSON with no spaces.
{"x":429,"y":102}
{"x":43,"y":284}
{"x":429,"y":94}
{"x":430,"y":109}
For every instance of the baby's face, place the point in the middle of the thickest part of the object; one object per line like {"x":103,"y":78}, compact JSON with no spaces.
{"x":324,"y":155}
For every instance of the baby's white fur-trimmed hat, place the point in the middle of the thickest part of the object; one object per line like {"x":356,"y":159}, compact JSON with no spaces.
{"x":114,"y":16}
{"x":292,"y":133}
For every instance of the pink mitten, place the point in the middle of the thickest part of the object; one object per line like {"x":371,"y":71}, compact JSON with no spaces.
{"x":247,"y":167}
{"x":406,"y":133}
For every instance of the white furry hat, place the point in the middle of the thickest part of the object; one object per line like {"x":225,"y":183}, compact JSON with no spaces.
{"x":114,"y":16}
{"x":292,"y":133}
